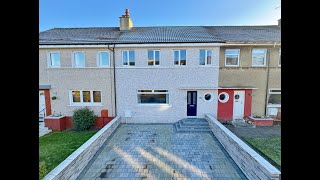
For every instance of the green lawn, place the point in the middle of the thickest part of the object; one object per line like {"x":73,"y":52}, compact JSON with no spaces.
{"x":57,"y":146}
{"x":270,"y":147}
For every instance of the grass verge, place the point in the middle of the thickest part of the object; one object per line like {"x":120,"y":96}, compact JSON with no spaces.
{"x":57,"y":146}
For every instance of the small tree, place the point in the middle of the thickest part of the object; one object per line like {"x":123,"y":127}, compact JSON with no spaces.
{"x":83,"y":119}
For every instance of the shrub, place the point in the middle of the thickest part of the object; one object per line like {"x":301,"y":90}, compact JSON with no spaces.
{"x":42,"y":169}
{"x":83,"y":119}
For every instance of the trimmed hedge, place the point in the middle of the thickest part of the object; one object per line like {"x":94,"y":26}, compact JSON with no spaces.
{"x":83,"y":119}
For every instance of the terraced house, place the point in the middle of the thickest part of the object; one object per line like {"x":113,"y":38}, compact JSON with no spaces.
{"x":161,"y":74}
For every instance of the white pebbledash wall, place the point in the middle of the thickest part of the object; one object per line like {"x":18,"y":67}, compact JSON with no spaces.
{"x":166,"y":76}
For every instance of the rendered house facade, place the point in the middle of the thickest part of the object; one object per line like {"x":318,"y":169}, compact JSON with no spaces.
{"x":151,"y":74}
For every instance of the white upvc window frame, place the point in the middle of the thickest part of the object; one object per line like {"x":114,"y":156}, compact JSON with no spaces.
{"x":128,"y":57}
{"x":265,"y":57}
{"x":81,"y":103}
{"x":179,"y":57}
{"x":152,"y":92}
{"x":279,"y":64}
{"x":225,"y":57}
{"x":99,"y":60}
{"x":73,"y":59}
{"x":205,"y":57}
{"x":272,"y":89}
{"x":270,"y":93}
{"x":49,"y":59}
{"x":154,"y":57}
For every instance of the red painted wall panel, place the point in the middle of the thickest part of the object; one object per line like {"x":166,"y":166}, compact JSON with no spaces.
{"x":47,"y":101}
{"x":247,"y":102}
{"x":225,"y":110}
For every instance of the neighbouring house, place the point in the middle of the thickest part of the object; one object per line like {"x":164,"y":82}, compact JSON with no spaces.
{"x":159,"y":74}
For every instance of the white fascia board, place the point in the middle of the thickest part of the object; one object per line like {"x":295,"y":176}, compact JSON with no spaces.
{"x":134,"y":45}
{"x":251,"y":44}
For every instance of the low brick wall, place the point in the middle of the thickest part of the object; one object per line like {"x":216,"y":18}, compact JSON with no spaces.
{"x":72,"y":166}
{"x":260,"y":121}
{"x":60,"y":124}
{"x":250,"y":162}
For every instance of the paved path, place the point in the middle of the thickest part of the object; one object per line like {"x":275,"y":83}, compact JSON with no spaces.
{"x":159,"y":152}
{"x":262,"y":131}
{"x":43,"y":130}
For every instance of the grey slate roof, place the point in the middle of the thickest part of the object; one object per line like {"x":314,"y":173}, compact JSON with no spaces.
{"x":164,"y":34}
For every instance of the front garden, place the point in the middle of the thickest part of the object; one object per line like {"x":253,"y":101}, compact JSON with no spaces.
{"x":58,"y":145}
{"x":268,"y":147}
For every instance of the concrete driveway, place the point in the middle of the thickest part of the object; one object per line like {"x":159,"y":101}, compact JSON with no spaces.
{"x":141,"y":151}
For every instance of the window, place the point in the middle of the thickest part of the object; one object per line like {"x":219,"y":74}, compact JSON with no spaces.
{"x":153,"y":97}
{"x":85,"y":98}
{"x":153,"y":57}
{"x":180,"y":57}
{"x":128,"y":58}
{"x":78,"y":59}
{"x":205,"y":57}
{"x":103,"y":59}
{"x":54,"y":58}
{"x":232,"y":57}
{"x":208,"y":97}
{"x":259,"y":57}
{"x":279,"y":56}
{"x":274,"y":96}
{"x":223,"y":97}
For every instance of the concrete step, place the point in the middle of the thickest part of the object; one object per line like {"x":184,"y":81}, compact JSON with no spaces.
{"x":242,"y":124}
{"x":192,"y":125}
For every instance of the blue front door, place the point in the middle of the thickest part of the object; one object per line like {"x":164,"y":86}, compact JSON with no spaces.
{"x":191,"y":103}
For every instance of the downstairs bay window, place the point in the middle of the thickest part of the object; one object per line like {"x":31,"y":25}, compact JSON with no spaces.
{"x":153,"y":97}
{"x":85,"y":98}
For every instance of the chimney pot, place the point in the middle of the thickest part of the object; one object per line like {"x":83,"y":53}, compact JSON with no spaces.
{"x":127,"y":12}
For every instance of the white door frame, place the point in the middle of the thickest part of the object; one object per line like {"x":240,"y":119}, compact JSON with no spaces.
{"x":241,"y":100}
{"x":44,"y":102}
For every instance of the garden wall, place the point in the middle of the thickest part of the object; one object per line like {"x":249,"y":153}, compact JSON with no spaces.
{"x":250,"y":162}
{"x":72,"y":166}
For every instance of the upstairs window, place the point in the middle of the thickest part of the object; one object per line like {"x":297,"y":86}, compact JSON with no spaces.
{"x":78,"y":59}
{"x":153,"y":57}
{"x":259,"y":57}
{"x":128,"y":58}
{"x":54,"y":59}
{"x":232,"y":57}
{"x":205,"y":57}
{"x":103,"y":59}
{"x":180,"y":57}
{"x":153,"y":97}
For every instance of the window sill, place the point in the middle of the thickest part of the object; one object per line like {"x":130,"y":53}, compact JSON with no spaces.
{"x":273,"y":105}
{"x":231,"y":66}
{"x":85,"y":105}
{"x":154,"y":105}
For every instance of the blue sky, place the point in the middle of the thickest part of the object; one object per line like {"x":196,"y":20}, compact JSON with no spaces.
{"x":106,"y":13}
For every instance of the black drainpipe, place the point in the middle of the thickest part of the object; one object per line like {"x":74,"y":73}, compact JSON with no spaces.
{"x":114,"y":79}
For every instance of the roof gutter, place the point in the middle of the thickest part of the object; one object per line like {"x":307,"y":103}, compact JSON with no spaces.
{"x":133,"y":45}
